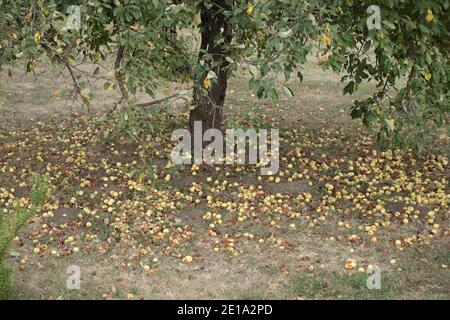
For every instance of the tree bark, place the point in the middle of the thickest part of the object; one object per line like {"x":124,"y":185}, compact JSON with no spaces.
{"x":208,"y":107}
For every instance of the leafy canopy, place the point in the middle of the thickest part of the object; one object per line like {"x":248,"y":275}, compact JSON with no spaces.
{"x":152,"y":41}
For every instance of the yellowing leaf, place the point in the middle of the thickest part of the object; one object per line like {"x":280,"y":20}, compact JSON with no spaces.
{"x":250,"y":9}
{"x":37,"y":37}
{"x":378,"y":110}
{"x":207,"y":83}
{"x":326,"y":39}
{"x":86,"y":97}
{"x":429,"y":16}
{"x":30,"y":66}
{"x":427,"y":76}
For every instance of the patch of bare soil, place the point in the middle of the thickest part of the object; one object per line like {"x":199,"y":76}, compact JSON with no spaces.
{"x":290,"y":188}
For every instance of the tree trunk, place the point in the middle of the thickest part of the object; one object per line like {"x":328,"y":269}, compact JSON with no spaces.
{"x":209,"y":107}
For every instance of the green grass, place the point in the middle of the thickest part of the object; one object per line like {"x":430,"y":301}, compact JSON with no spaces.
{"x":420,"y":275}
{"x":12,"y":221}
{"x":40,"y":190}
{"x":335,"y":285}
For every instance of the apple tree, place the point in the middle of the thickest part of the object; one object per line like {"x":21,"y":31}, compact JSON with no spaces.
{"x":202,"y":43}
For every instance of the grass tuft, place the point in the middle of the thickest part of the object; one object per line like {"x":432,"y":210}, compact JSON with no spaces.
{"x":12,"y":220}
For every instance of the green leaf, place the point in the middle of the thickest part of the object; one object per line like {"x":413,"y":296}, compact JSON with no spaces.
{"x":273,"y":95}
{"x":349,"y":88}
{"x":287,"y":91}
{"x":388,"y":24}
{"x":253,"y":70}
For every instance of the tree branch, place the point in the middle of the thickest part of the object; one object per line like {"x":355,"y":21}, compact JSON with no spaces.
{"x":67,"y":65}
{"x":119,"y":73}
{"x":409,"y":104}
{"x":180,"y":94}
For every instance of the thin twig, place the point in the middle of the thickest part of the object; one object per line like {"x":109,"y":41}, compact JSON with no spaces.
{"x":33,"y":12}
{"x":67,"y":65}
{"x":178,"y":95}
